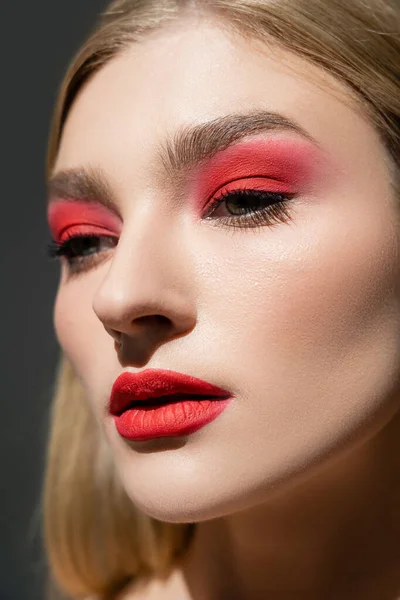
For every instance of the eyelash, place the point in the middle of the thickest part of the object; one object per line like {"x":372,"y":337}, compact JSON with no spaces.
{"x":76,"y":260}
{"x":278,"y":210}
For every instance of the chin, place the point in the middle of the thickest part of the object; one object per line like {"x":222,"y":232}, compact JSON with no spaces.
{"x":186,"y":499}
{"x":183,"y":510}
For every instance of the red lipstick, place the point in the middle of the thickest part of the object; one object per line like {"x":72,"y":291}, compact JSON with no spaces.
{"x":159,"y":403}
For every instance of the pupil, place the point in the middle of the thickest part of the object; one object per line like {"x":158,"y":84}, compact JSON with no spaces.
{"x":85,"y":245}
{"x":241,"y":204}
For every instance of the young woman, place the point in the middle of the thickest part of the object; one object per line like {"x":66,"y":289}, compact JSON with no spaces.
{"x":224,"y":199}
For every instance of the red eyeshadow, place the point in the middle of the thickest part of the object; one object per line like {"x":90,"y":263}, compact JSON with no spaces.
{"x":68,"y":215}
{"x":290,"y":166}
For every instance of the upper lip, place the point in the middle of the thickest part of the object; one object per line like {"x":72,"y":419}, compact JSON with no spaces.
{"x":154,"y":383}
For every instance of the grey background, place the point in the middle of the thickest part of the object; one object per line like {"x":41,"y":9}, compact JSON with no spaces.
{"x":39,"y":37}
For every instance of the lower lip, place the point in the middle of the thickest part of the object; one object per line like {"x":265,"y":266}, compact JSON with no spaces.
{"x":175,"y":419}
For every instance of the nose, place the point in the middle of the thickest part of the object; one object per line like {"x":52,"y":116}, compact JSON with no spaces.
{"x":147,"y":296}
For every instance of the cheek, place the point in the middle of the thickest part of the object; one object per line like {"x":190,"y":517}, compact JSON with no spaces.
{"x":315,"y":298}
{"x":84,"y":342}
{"x":305,"y":320}
{"x":76,"y":328}
{"x":66,"y":326}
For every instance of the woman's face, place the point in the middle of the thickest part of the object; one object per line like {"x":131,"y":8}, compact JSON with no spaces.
{"x":299,"y":318}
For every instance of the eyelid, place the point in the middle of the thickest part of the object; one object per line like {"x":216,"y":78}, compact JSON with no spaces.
{"x":296,"y":164}
{"x":66,"y":214}
{"x":83,"y":230}
{"x":266,"y":184}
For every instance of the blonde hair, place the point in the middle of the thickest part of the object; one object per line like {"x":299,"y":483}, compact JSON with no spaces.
{"x":97,"y":541}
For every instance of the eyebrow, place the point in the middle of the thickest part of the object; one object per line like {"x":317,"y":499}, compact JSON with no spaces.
{"x":83,"y":183}
{"x":189,"y":145}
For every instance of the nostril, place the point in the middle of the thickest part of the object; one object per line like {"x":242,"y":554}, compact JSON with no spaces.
{"x":155,"y":320}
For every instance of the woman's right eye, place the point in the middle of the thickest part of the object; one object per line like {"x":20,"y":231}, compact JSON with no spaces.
{"x":81,"y":251}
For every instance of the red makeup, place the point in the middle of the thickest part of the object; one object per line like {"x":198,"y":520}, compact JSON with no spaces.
{"x":160,"y":403}
{"x":276,"y":165}
{"x":73,"y":217}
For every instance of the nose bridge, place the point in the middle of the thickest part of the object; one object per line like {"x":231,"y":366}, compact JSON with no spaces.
{"x":149,"y":274}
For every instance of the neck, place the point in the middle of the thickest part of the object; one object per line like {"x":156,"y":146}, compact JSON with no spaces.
{"x":334,"y":535}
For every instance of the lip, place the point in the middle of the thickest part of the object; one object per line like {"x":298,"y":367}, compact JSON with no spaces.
{"x":159,"y":402}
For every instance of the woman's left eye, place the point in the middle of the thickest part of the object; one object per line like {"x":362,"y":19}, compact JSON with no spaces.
{"x":250,"y":208}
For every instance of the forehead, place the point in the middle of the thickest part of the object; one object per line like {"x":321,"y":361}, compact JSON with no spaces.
{"x":194,"y":72}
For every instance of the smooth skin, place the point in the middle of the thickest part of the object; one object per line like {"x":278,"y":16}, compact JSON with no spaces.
{"x":295,"y":487}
